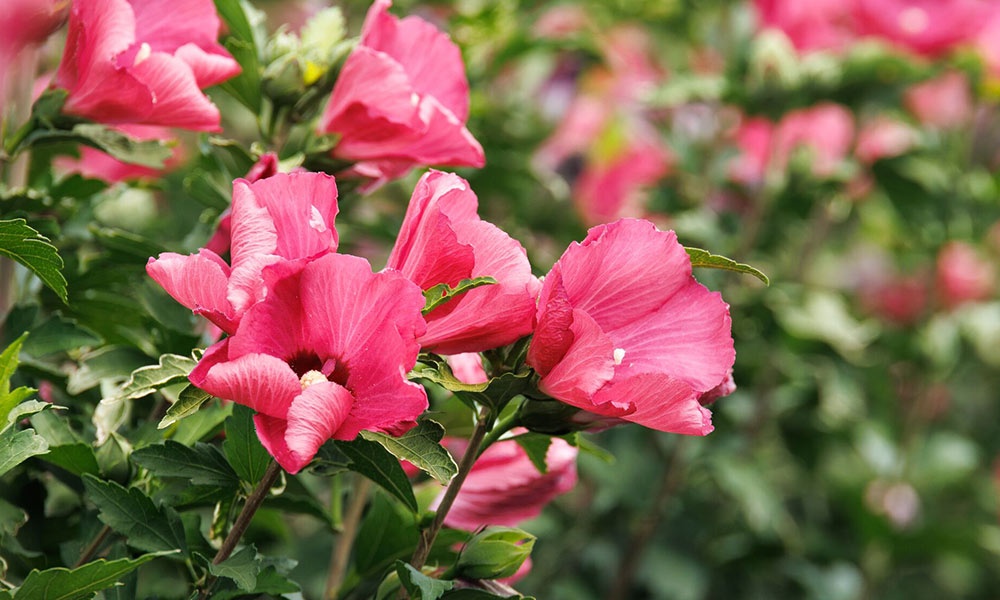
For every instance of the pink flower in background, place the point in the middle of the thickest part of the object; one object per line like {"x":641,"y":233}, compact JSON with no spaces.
{"x":625,"y":331}
{"x":925,"y":27}
{"x":443,"y":240}
{"x":505,"y":488}
{"x":884,"y":137}
{"x":284,"y":217}
{"x":813,"y":25}
{"x":467,"y":367}
{"x":95,"y":164}
{"x":144,"y":62}
{"x":323,"y":356}
{"x":826,"y":131}
{"x":944,"y":102}
{"x":963,"y":276}
{"x":401,"y":100}
{"x":753,"y":139}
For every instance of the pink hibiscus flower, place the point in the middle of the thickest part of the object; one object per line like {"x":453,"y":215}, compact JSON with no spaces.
{"x":144,"y":62}
{"x":926,"y":27}
{"x":323,"y":356}
{"x":625,"y":331}
{"x":963,"y":275}
{"x":443,"y":240}
{"x":287,"y":216}
{"x":811,"y":26}
{"x":401,"y":100}
{"x":505,"y":488}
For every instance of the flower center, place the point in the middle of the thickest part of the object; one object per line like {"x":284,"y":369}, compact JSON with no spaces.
{"x":311,"y":378}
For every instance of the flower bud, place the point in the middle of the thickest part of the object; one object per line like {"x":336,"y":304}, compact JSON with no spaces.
{"x":494,"y":553}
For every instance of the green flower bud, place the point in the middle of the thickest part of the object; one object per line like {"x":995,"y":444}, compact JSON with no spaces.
{"x":494,"y":553}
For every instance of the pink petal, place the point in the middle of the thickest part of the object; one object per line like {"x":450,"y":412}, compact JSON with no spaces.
{"x":552,"y":337}
{"x":624,"y":271}
{"x":208,"y":68}
{"x":368,"y":75}
{"x":277,"y":326}
{"x":167,"y":27}
{"x":433,"y":63}
{"x":689,"y":338}
{"x":302,"y":208}
{"x":587,"y":365}
{"x":177,"y":100}
{"x":198,"y":281}
{"x":313,"y":419}
{"x":467,"y":367}
{"x":661,"y":402}
{"x":262,"y":382}
{"x":98,"y":89}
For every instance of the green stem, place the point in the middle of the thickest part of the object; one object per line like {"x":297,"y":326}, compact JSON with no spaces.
{"x":483,"y":423}
{"x":503,"y":426}
{"x":254,"y":500}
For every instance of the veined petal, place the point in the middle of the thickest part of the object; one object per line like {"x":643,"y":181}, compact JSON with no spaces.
{"x":198,"y":281}
{"x":177,"y":100}
{"x":167,"y":27}
{"x":586,"y":366}
{"x":264,"y":383}
{"x":302,"y":208}
{"x":208,"y":68}
{"x":432,"y":62}
{"x":313,"y":418}
{"x":367,"y":75}
{"x":660,"y":402}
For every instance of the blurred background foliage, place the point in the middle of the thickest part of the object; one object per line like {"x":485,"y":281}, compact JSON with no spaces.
{"x":857,"y":457}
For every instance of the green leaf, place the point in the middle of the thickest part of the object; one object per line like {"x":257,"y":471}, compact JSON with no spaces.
{"x":204,"y":423}
{"x":201,"y":465}
{"x":33,"y":250}
{"x":376,"y":463}
{"x":421,"y":447}
{"x":241,"y":44}
{"x":536,"y":446}
{"x":242,"y":447}
{"x":387,"y":534}
{"x":58,"y":334}
{"x":586,"y":446}
{"x":704,"y":258}
{"x":442,"y":292}
{"x":148,"y":379}
{"x":110,"y":362}
{"x":420,"y":586}
{"x":243,"y":567}
{"x":146,"y":153}
{"x":8,"y":364}
{"x":270,"y":583}
{"x":77,"y":458}
{"x":134,"y":515}
{"x":18,"y":446}
{"x":188,"y":402}
{"x":496,"y":392}
{"x":73,"y":584}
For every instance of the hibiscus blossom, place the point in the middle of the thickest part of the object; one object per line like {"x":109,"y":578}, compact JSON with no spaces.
{"x":625,"y":331}
{"x":323,"y":356}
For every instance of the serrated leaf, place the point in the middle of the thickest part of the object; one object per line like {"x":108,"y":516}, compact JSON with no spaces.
{"x":704,"y":258}
{"x":148,"y":379}
{"x":188,"y":402}
{"x":376,"y":463}
{"x":269,"y":583}
{"x":420,"y":446}
{"x":18,"y":446}
{"x":202,"y":424}
{"x":23,"y":244}
{"x":201,"y":465}
{"x":146,"y":153}
{"x":73,"y":584}
{"x":420,"y":586}
{"x":243,"y":567}
{"x":242,"y":447}
{"x":442,"y":292}
{"x":536,"y":446}
{"x":134,"y":515}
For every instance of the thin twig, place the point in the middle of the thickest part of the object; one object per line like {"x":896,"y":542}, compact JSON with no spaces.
{"x":468,"y":459}
{"x":93,"y":547}
{"x":254,"y":500}
{"x":345,"y":541}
